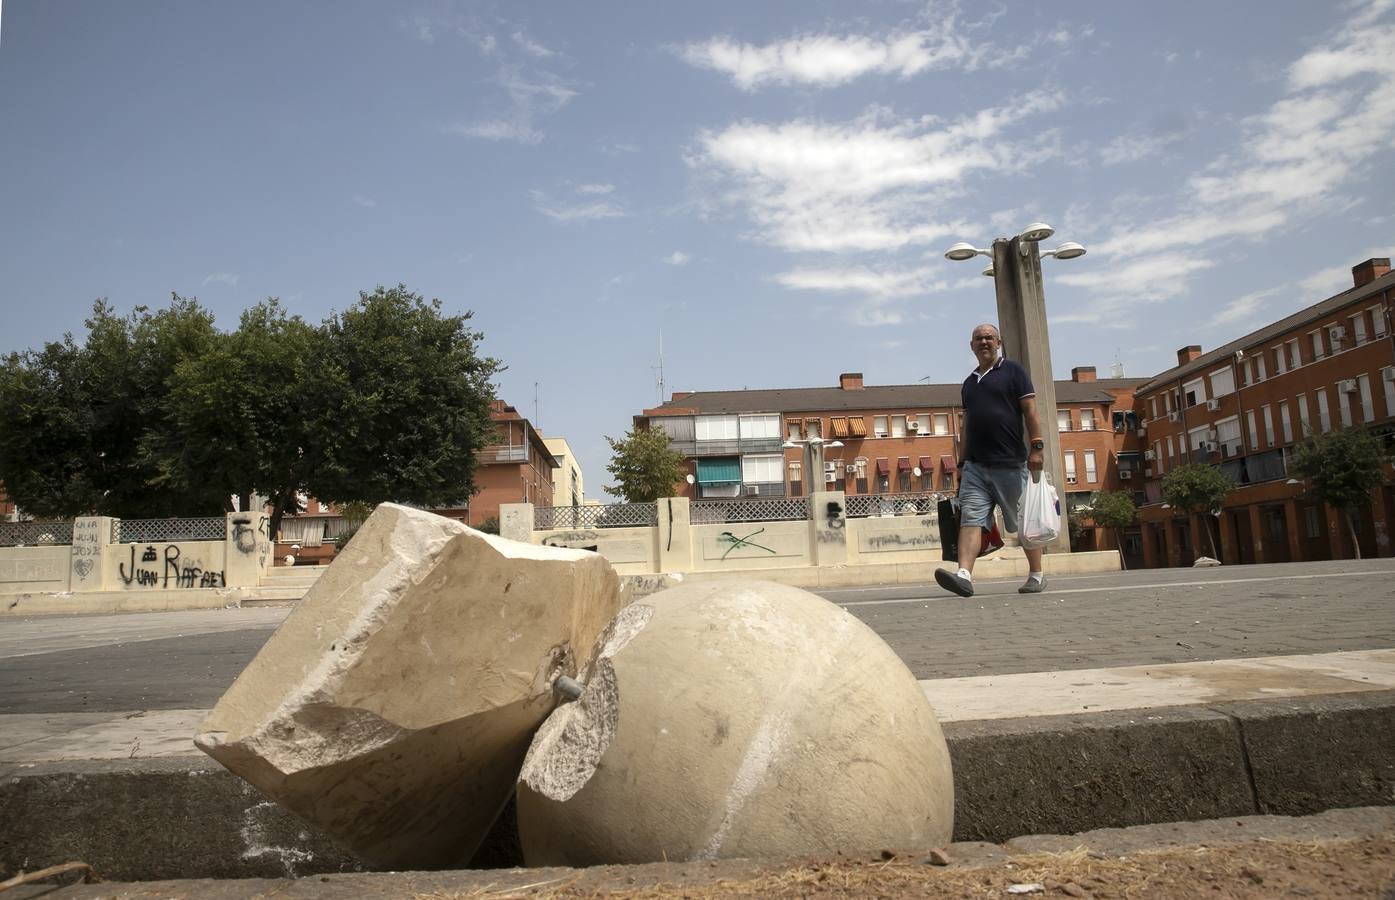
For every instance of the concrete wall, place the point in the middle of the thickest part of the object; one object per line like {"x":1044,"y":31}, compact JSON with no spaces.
{"x":93,"y":563}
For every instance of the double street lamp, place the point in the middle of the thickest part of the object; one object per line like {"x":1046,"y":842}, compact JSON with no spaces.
{"x":813,"y":457}
{"x":1016,"y":274}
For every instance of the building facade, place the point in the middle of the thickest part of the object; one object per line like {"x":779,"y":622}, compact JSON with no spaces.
{"x":567,"y":486}
{"x":880,"y":439}
{"x":1247,"y":405}
{"x":517,"y":468}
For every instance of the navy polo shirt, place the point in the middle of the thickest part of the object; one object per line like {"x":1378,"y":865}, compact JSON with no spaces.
{"x":993,"y":414}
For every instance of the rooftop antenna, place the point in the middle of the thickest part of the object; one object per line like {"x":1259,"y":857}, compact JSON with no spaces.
{"x":535,"y":405}
{"x":659,"y":385}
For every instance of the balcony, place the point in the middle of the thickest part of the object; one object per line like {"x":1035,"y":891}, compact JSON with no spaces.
{"x":730,"y":447}
{"x":502,"y":454}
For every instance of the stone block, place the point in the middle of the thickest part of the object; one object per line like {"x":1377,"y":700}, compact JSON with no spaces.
{"x":393,"y":708}
{"x":1309,"y":754}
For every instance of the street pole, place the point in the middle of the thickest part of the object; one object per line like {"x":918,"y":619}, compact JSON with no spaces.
{"x":1022,"y":324}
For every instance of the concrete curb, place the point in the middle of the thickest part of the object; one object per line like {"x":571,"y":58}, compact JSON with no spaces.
{"x":186,"y":817}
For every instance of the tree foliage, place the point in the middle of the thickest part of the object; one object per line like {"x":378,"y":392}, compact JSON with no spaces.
{"x":1198,"y":488}
{"x":1116,"y":511}
{"x":1343,"y":467}
{"x":159,"y":413}
{"x":644,"y":466}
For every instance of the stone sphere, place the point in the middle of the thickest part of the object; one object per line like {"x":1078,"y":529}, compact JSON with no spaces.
{"x":736,"y":719}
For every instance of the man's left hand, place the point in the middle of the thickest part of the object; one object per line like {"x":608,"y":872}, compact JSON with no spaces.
{"x":1035,"y":460}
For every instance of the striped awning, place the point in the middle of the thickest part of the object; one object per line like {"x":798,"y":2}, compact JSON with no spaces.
{"x":839,"y":426}
{"x":719,"y":471}
{"x":857,"y":426}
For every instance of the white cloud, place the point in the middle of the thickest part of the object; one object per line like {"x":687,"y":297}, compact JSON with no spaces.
{"x":1296,"y":157}
{"x":227,"y":278}
{"x":530,"y":46}
{"x":365,"y":202}
{"x":828,"y":60}
{"x":590,"y":211}
{"x":864,"y":185}
{"x":1127,"y":148}
{"x":1242,"y":309}
{"x":865,"y":280}
{"x":1150,"y":278}
{"x":678,"y":258}
{"x":595,"y":188}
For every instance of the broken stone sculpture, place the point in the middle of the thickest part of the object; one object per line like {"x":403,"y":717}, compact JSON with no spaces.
{"x":736,"y":719}
{"x":394,"y":706}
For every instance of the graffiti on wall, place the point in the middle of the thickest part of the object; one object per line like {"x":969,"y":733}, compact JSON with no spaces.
{"x":165,"y":570}
{"x":249,"y":539}
{"x":87,"y":546}
{"x":726,"y":537}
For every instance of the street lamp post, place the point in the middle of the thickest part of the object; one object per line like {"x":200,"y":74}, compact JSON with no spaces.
{"x":813,"y":458}
{"x":1016,"y":274}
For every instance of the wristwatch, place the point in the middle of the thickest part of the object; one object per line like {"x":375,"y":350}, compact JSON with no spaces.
{"x":1038,"y":445}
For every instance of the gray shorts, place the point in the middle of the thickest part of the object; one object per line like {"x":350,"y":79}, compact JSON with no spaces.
{"x":983,"y":487}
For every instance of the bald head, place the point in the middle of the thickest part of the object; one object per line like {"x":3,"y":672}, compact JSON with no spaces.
{"x":985,"y":343}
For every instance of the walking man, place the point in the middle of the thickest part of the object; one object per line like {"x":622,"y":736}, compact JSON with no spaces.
{"x":998,"y":400}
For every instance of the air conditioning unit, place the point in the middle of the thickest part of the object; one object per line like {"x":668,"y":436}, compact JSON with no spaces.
{"x":1142,"y":432}
{"x":1347,"y":385}
{"x":851,"y":470}
{"x":1174,"y":416}
{"x":1387,"y":374}
{"x":879,"y":434}
{"x":1070,"y":479}
{"x":830,"y":477}
{"x":1213,"y":405}
{"x":750,"y":490}
{"x":1239,"y":356}
{"x":1148,"y":455}
{"x":912,"y":425}
{"x":1337,"y":333}
{"x":1212,"y":436}
{"x":1125,"y":474}
{"x":830,"y":467}
{"x":1206,"y":447}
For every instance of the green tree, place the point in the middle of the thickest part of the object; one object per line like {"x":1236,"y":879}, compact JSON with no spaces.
{"x":644,"y":466}
{"x":1116,"y":511}
{"x":396,"y":405}
{"x":1343,"y":468}
{"x":1198,"y":488}
{"x":76,"y":416}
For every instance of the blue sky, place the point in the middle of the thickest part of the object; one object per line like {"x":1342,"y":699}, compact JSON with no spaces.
{"x":772,"y":185}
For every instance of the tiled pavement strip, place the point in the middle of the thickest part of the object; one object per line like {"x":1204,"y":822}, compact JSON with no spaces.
{"x":1156,"y":638}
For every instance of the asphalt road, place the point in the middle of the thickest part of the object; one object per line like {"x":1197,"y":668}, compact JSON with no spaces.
{"x":186,"y":659}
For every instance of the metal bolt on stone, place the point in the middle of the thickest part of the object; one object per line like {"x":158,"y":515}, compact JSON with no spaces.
{"x":568,"y":688}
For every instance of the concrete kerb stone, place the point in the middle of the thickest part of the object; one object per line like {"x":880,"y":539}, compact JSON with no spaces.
{"x":186,"y":817}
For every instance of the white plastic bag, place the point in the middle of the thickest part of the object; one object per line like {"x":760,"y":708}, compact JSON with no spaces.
{"x":1041,"y":513}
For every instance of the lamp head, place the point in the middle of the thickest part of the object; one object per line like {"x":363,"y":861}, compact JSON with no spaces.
{"x":1068,"y":250}
{"x":789,"y":445}
{"x":962,"y":251}
{"x":1037,"y":231}
{"x":989,"y":272}
{"x":834,"y":444}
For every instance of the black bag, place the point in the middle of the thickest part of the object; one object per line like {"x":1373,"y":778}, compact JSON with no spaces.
{"x":949,"y":528}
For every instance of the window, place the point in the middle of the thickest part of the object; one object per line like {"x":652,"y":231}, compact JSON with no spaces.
{"x":760,"y":427}
{"x":1313,"y":521}
{"x":1087,"y":420}
{"x":1335,"y":336}
{"x":1368,"y":410}
{"x":813,"y":428}
{"x":1260,"y":374}
{"x":1279,"y":367}
{"x":1195,"y":392}
{"x":1196,"y":437}
{"x":763,"y":468}
{"x":792,"y":429}
{"x":1358,"y":328}
{"x":1378,"y":321}
{"x":1294,"y":360}
{"x":716,"y":428}
{"x":1070,"y":466}
{"x":1063,"y":420}
{"x":1389,"y":396}
{"x":879,"y":426}
{"x":1318,"y":351}
{"x":1222,"y":382}
{"x":898,"y":426}
{"x":1268,"y":424}
{"x":1090,"y":473}
{"x":927,"y":479}
{"x":903,"y":476}
{"x":1152,"y":407}
{"x":1170,"y":455}
{"x":1324,"y":420}
{"x":1254,"y":432}
{"x":1228,"y":436}
{"x":796,"y":484}
{"x":1344,"y":407}
{"x":1305,"y":427}
{"x":860,"y":465}
{"x":1157,"y":458}
{"x":946,"y":479}
{"x":922,"y":423}
{"x":1167,"y":402}
{"x":1285,"y":423}
{"x":942,"y":423}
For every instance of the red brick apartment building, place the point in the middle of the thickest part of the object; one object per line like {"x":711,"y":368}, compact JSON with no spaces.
{"x":517,"y":468}
{"x":895,"y":438}
{"x":1246,"y":405}
{"x":7,"y":509}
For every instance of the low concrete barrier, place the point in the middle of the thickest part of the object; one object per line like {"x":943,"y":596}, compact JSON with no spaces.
{"x":186,"y":817}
